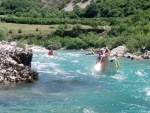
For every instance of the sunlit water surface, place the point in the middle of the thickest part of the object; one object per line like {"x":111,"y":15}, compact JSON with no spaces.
{"x":68,"y":84}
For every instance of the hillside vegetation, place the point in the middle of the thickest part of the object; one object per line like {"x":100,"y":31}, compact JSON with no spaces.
{"x":129,"y":20}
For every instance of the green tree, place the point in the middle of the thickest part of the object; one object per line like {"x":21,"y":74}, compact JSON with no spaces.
{"x":78,"y":11}
{"x":91,"y":10}
{"x":76,"y":30}
{"x":60,"y":30}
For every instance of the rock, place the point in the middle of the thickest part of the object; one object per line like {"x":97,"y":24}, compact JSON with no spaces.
{"x":146,"y":55}
{"x":38,"y":49}
{"x":15,"y":64}
{"x":119,"y":51}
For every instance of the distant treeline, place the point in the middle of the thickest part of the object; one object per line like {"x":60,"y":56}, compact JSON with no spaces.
{"x":100,"y":8}
{"x":49,"y":21}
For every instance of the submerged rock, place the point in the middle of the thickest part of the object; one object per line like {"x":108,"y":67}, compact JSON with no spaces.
{"x":15,"y":64}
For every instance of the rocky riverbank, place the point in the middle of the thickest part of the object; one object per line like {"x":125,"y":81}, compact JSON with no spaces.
{"x":121,"y":51}
{"x":15,"y":64}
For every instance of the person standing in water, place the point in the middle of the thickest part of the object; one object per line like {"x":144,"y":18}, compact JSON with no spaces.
{"x":103,"y":54}
{"x":51,"y":52}
{"x":99,"y":56}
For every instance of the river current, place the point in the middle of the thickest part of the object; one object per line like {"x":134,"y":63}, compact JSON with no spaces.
{"x":68,"y":84}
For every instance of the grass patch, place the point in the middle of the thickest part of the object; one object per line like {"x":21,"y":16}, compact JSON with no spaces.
{"x":12,"y":28}
{"x":26,"y":29}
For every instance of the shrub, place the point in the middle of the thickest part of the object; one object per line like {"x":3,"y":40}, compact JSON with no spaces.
{"x":60,"y":30}
{"x":66,"y":26}
{"x":37,"y":29}
{"x":2,"y":35}
{"x":21,"y":45}
{"x":76,"y":30}
{"x":19,"y":31}
{"x":10,"y":31}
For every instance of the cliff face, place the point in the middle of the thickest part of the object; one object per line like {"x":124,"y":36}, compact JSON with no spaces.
{"x":15,"y":64}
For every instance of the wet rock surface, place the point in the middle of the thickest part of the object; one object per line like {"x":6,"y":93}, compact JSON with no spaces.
{"x":15,"y":64}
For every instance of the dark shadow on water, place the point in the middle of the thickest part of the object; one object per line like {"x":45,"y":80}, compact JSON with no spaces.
{"x":6,"y":86}
{"x":109,"y":73}
{"x":15,"y":85}
{"x":58,"y":86}
{"x":69,"y":82}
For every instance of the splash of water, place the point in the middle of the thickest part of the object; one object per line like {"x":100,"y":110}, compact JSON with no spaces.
{"x":97,"y":67}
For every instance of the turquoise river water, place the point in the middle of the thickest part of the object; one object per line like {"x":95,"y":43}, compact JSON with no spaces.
{"x":68,"y":84}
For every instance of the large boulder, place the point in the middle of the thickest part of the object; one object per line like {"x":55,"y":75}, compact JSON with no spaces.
{"x":15,"y":64}
{"x":119,"y":51}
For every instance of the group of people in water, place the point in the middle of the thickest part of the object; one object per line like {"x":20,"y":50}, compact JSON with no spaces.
{"x":103,"y":54}
{"x":101,"y":61}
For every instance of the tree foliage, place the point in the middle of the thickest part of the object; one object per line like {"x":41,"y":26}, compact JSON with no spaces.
{"x":129,"y":21}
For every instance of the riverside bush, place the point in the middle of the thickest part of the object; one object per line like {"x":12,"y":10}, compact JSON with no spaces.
{"x":2,"y":35}
{"x":19,"y":31}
